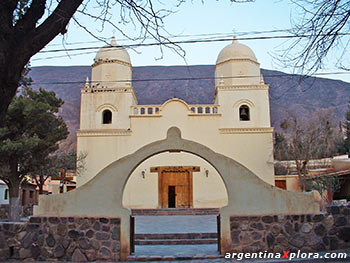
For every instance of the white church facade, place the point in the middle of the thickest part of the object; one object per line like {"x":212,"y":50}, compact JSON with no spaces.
{"x":237,"y":125}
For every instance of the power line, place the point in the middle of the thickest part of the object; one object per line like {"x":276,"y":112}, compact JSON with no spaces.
{"x":187,"y":79}
{"x":187,"y":42}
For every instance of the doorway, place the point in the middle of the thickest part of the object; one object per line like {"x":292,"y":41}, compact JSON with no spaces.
{"x":175,"y":186}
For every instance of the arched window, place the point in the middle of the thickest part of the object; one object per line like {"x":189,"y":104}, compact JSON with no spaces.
{"x":244,"y":114}
{"x":106,"y":117}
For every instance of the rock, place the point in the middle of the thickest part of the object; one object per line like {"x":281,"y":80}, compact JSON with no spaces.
{"x":74,"y":234}
{"x":267,"y":219}
{"x":297,"y":241}
{"x":341,"y":221}
{"x":116,"y":233}
{"x":235,"y":237}
{"x":71,"y":248}
{"x":78,"y":256}
{"x":334,"y":209}
{"x":104,"y":220}
{"x":234,"y":225}
{"x":97,"y":226}
{"x":270,"y":240}
{"x":115,"y":221}
{"x":95,"y":244}
{"x":46,"y":253}
{"x":320,"y":230}
{"x":256,"y":235}
{"x":50,"y":240}
{"x":288,"y":227}
{"x":24,"y":253}
{"x":83,"y":243}
{"x":244,"y":238}
{"x":35,"y":251}
{"x":36,"y":220}
{"x":65,"y":242}
{"x":306,"y":227}
{"x":54,"y":220}
{"x":318,"y":218}
{"x":90,"y":233}
{"x":59,"y":251}
{"x":333,"y":243}
{"x":106,"y":228}
{"x":91,"y":254}
{"x":104,"y":254}
{"x":328,"y":221}
{"x":41,"y":240}
{"x":21,"y":235}
{"x":275,"y":229}
{"x":102,"y":236}
{"x":258,"y":226}
{"x":62,"y":229}
{"x":344,"y":233}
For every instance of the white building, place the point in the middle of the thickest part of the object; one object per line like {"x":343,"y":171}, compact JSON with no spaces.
{"x":4,"y":193}
{"x":237,"y":124}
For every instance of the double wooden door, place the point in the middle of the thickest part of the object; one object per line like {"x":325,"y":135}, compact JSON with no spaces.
{"x":175,"y":186}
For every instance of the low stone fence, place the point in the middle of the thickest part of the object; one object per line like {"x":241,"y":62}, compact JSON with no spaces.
{"x":307,"y":233}
{"x":74,"y":239}
{"x":25,"y":211}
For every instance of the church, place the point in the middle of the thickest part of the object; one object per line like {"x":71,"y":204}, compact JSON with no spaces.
{"x":236,"y":124}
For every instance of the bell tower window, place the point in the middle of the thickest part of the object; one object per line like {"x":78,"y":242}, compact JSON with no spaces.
{"x":106,"y":117}
{"x":244,"y":114}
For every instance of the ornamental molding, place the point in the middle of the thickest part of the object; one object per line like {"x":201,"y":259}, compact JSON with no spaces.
{"x":239,"y":60}
{"x":243,"y":87}
{"x":117,"y":61}
{"x":103,"y":132}
{"x":245,"y":130}
{"x":105,"y":89}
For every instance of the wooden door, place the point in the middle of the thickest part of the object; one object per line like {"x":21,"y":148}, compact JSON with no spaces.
{"x":178,"y":185}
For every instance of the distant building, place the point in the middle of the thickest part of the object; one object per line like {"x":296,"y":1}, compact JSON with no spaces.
{"x":28,"y":194}
{"x":236,"y":124}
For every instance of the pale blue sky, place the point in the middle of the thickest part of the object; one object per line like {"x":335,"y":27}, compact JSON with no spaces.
{"x":192,"y":18}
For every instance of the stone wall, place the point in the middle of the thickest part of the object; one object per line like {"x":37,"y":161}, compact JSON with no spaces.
{"x":75,"y":239}
{"x":308,"y":233}
{"x":25,"y":211}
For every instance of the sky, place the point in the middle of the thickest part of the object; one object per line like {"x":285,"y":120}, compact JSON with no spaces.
{"x":192,"y":20}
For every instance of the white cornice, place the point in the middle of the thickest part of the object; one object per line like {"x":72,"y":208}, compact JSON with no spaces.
{"x":117,"y":61}
{"x":245,"y":130}
{"x":103,"y":132}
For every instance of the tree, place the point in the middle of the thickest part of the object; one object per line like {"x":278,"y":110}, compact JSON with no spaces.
{"x":309,"y":138}
{"x":27,"y":26}
{"x":346,"y":126}
{"x":320,"y":27}
{"x":53,"y":164}
{"x":30,"y":132}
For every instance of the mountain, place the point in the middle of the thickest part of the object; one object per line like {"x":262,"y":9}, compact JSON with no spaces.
{"x":156,"y":84}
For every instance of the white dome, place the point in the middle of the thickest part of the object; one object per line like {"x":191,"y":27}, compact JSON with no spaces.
{"x":112,"y":52}
{"x":236,"y":50}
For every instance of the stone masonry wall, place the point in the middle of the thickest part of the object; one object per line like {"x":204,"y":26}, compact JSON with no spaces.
{"x":308,"y":233}
{"x":61,"y":238}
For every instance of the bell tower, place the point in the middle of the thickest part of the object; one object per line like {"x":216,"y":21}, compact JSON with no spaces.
{"x":107,"y":98}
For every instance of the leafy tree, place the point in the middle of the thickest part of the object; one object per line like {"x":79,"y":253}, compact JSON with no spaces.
{"x":27,"y":26}
{"x":30,"y":132}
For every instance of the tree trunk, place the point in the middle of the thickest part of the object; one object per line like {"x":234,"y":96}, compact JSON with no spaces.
{"x":15,"y":210}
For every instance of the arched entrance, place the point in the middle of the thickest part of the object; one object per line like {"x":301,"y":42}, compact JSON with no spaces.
{"x":247,"y":194}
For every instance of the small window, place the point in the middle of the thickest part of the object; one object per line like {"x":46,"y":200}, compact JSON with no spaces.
{"x":207,"y":110}
{"x":150,"y":111}
{"x":193,"y":109}
{"x":107,"y":117}
{"x":200,"y":110}
{"x":244,"y":113}
{"x":143,"y":111}
{"x":215,"y":110}
{"x":6,"y":194}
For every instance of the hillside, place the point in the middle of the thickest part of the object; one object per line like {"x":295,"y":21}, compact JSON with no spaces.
{"x":286,"y":93}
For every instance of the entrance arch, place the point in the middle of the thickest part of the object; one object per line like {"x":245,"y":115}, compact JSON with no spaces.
{"x":247,"y":194}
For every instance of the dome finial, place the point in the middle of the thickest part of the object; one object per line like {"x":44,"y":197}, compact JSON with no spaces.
{"x":234,"y":39}
{"x":113,"y":41}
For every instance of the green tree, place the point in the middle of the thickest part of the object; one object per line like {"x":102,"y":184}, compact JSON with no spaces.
{"x":31,"y":131}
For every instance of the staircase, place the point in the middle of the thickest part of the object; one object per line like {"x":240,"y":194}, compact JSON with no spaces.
{"x":176,"y":239}
{"x":175,"y":211}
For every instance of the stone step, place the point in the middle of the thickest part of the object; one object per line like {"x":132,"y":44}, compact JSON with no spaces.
{"x":176,"y":241}
{"x":175,"y":211}
{"x":171,"y":258}
{"x":176,"y":236}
